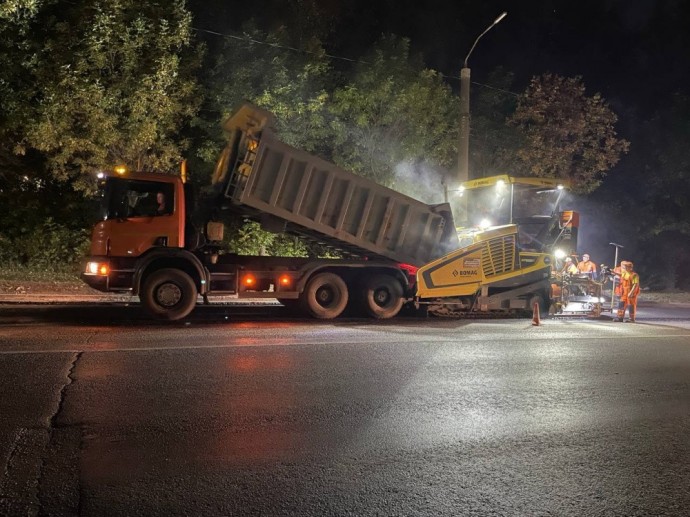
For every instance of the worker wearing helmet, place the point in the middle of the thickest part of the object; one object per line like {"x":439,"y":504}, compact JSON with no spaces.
{"x":630,"y":289}
{"x":587,"y":267}
{"x":569,"y":266}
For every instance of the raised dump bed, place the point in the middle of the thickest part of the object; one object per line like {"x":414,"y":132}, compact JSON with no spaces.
{"x":291,"y":190}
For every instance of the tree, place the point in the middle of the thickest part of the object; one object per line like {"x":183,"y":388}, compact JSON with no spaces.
{"x":493,"y":143}
{"x":265,"y":69}
{"x":17,"y":88}
{"x":85,"y":85}
{"x":113,"y":84}
{"x":568,"y":135}
{"x":391,"y":113}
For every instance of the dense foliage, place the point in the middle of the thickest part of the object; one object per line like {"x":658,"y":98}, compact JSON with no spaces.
{"x":115,"y":85}
{"x":256,"y":66}
{"x":567,"y":134}
{"x":394,"y":115}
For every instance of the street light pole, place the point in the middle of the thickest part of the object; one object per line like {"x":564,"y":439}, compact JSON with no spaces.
{"x":464,"y":144}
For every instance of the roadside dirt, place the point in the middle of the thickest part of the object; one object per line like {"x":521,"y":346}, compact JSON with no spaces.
{"x":44,"y":287}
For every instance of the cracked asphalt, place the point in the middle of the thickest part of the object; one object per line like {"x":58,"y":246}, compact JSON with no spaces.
{"x":233,"y":414}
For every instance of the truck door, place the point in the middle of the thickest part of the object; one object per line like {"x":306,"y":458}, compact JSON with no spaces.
{"x":139,"y":215}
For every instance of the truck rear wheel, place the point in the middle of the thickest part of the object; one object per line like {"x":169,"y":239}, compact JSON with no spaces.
{"x":169,"y":294}
{"x":325,"y":296}
{"x":383,"y":296}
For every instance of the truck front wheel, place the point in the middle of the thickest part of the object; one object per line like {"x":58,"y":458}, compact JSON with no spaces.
{"x":168,"y":294}
{"x":325,"y":296}
{"x":383,"y":296}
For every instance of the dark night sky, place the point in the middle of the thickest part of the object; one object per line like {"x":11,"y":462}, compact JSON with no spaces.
{"x":634,"y":53}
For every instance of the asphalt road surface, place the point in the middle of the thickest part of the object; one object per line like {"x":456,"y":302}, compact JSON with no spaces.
{"x":243,"y":411}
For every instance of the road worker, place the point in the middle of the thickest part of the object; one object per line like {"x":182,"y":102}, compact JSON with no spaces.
{"x":586,"y":266}
{"x":630,"y":289}
{"x":569,"y":267}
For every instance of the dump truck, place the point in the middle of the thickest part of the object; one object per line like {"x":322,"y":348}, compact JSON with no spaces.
{"x":170,"y":260}
{"x":160,"y":240}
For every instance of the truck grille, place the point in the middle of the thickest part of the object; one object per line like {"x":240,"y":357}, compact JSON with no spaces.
{"x":499,"y":256}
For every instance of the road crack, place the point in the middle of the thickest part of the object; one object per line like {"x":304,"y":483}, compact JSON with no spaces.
{"x":58,"y":482}
{"x":53,"y":422}
{"x":42,"y":462}
{"x":31,"y":460}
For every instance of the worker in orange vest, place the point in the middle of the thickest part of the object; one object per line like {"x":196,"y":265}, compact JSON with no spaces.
{"x":630,"y":289}
{"x":587,"y":267}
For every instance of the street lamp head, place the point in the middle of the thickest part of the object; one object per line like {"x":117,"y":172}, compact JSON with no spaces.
{"x":498,"y":19}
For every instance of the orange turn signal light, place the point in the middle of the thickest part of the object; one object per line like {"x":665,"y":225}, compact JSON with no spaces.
{"x":284,"y":280}
{"x":249,"y":281}
{"x":97,"y":268}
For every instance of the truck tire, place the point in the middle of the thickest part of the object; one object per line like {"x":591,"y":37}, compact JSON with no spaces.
{"x":168,"y":294}
{"x":325,"y":296}
{"x":383,"y":296}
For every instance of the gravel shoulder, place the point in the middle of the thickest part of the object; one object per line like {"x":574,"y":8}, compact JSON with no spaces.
{"x":20,"y":287}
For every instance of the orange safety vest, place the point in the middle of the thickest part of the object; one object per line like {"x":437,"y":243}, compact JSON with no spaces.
{"x":587,"y":267}
{"x":630,"y":285}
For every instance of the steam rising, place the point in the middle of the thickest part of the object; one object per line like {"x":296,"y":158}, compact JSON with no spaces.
{"x":420,"y":180}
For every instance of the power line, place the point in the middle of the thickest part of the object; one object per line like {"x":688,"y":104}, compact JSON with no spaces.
{"x":507,"y":92}
{"x":277,"y":45}
{"x":333,"y":56}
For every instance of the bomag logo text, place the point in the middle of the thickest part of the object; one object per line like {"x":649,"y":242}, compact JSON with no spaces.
{"x":465,"y":272}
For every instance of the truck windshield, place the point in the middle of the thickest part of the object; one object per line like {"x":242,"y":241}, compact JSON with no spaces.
{"x":126,"y":198}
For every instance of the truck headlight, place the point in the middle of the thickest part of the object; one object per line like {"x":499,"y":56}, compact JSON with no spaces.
{"x":97,"y":268}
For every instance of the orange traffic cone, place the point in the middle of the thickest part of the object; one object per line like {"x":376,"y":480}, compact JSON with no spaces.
{"x":535,"y":315}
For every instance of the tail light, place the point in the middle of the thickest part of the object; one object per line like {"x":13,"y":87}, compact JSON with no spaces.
{"x":249,"y":281}
{"x":284,"y":281}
